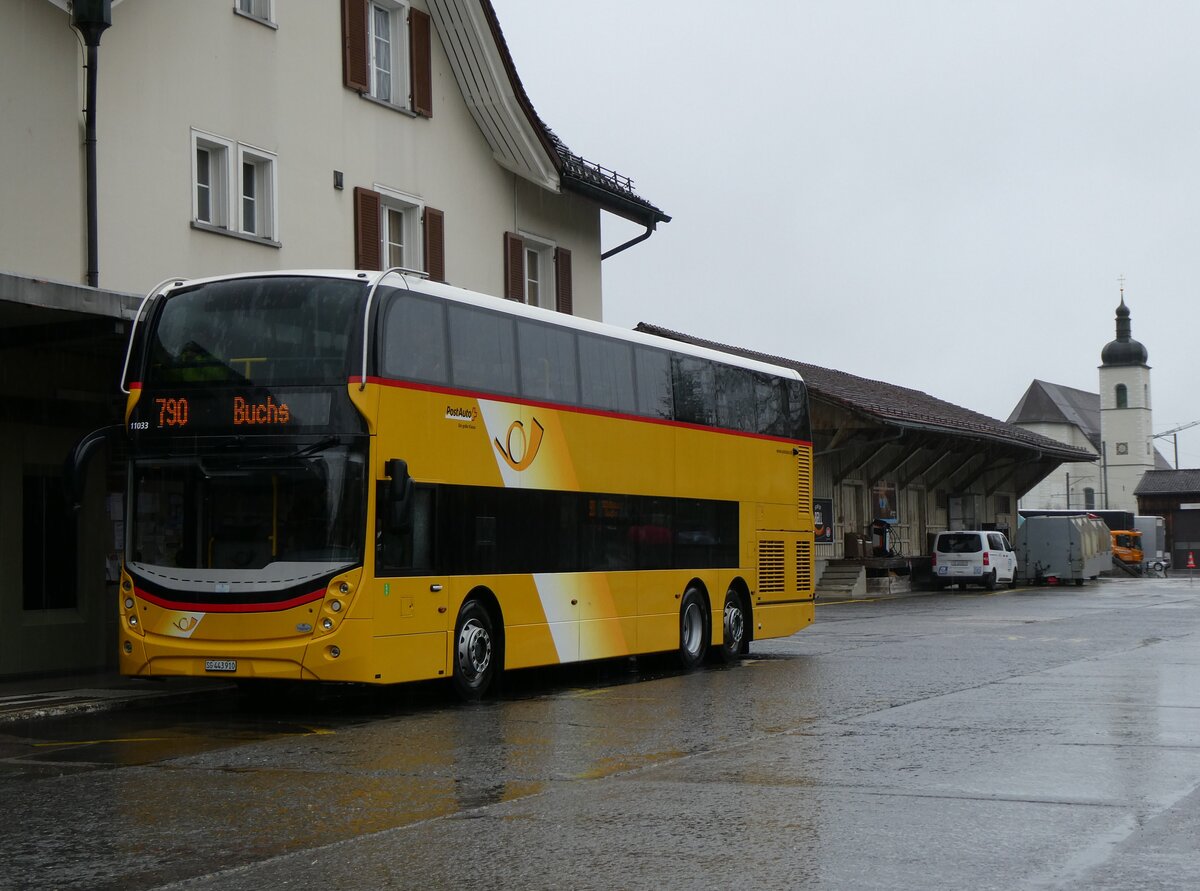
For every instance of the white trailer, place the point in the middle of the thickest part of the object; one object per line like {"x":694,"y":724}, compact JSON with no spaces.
{"x":1155,"y":556}
{"x":1062,"y":548}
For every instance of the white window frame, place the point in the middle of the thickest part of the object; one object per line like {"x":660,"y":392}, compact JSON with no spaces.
{"x":264,"y":192}
{"x":227,"y":187}
{"x":547,"y":282}
{"x":220,"y":188}
{"x":412,"y":211}
{"x":397,"y":39}
{"x":247,"y":8}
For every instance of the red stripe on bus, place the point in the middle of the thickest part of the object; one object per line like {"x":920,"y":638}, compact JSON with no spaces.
{"x":230,"y":607}
{"x":559,"y":406}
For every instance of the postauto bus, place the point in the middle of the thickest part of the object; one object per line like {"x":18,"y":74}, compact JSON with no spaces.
{"x":369,"y":477}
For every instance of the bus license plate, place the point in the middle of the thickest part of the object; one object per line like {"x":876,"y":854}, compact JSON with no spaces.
{"x":220,"y":665}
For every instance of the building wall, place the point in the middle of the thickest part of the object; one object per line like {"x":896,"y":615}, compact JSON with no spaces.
{"x":1181,"y":516}
{"x":41,"y":194}
{"x":1052,"y":492}
{"x":50,"y":396}
{"x":166,"y":68}
{"x":1129,"y":448}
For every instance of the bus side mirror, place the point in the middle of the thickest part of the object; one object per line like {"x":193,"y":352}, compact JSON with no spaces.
{"x":76,"y":464}
{"x":399,"y":494}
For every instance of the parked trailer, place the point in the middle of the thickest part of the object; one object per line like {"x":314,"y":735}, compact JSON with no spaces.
{"x":1154,"y":543}
{"x":1061,"y":548}
{"x":1114,"y":519}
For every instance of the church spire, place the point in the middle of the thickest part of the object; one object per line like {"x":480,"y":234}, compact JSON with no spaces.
{"x":1124,"y":350}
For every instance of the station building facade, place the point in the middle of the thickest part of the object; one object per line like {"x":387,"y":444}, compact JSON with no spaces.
{"x":244,"y":136}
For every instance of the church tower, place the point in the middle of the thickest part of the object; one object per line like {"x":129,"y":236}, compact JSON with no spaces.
{"x":1127,"y":449}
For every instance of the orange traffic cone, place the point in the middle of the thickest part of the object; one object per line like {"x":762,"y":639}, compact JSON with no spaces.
{"x":1191,"y":564}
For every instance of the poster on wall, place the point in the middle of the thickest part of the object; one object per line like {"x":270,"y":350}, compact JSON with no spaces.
{"x":883,"y":502}
{"x":823,"y":520}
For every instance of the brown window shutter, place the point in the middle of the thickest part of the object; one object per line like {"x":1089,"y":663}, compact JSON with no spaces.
{"x":420,"y":62}
{"x":562,"y":281}
{"x":367,"y":253}
{"x":514,"y":266}
{"x":354,"y":45}
{"x":435,"y":244}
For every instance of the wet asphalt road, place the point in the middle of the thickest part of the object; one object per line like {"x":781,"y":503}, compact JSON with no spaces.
{"x":1041,"y":738}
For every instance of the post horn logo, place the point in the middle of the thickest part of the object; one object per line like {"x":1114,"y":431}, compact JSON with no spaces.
{"x":520,"y":454}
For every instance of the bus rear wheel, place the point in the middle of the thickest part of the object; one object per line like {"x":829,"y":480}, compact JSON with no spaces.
{"x":475,"y":652}
{"x":693,"y":629}
{"x":733,"y":627}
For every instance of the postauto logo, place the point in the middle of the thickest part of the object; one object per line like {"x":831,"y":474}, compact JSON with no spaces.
{"x":518,"y":449}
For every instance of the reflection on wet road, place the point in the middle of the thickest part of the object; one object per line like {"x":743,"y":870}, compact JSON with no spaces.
{"x":1044,"y":738}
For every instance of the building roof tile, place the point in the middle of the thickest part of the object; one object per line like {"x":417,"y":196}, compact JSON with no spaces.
{"x":1169,"y":482}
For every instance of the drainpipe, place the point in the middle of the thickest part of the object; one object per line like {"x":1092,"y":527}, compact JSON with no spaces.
{"x":90,"y":18}
{"x":649,"y":231}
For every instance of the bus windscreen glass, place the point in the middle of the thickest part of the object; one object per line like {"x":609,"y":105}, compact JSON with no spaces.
{"x":264,"y":514}
{"x":256,"y":332}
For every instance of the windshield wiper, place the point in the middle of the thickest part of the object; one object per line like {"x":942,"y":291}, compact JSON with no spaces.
{"x":257,"y":461}
{"x":302,"y":452}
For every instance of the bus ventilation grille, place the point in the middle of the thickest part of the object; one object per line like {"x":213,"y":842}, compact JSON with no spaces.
{"x":804,"y":483}
{"x":804,"y":566}
{"x":770,"y":567}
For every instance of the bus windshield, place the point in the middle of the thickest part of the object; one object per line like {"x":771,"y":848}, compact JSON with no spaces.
{"x":256,"y":332}
{"x":281,"y":515}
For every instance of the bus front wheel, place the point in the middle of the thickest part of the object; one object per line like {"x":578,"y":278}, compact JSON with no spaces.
{"x":475,"y":652}
{"x":693,"y":629}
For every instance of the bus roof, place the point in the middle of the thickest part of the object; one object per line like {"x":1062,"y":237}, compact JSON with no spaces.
{"x":421,"y":285}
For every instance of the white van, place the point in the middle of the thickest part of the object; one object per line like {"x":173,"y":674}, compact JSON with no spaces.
{"x":973,"y":557}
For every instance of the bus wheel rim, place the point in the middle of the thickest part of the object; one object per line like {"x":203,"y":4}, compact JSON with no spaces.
{"x":735,"y":624}
{"x":474,"y":649}
{"x":693,"y":628}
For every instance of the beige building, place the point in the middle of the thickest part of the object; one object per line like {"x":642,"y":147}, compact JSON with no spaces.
{"x":225,"y":137}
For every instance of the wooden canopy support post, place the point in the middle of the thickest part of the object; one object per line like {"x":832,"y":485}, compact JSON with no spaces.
{"x":925,"y":468}
{"x":948,"y":474}
{"x":858,"y":464}
{"x":902,"y":459}
{"x":984,"y":469}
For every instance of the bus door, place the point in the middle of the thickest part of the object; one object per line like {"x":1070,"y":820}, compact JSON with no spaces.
{"x":411,"y":601}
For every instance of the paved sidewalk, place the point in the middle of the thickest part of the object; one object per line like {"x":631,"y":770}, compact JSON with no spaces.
{"x":25,"y":699}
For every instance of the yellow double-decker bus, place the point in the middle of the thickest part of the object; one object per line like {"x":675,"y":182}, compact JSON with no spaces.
{"x":369,"y":477}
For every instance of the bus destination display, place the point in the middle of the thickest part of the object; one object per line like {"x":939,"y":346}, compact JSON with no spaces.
{"x":238,"y":412}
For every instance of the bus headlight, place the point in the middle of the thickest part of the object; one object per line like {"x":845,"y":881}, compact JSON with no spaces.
{"x":327,"y":623}
{"x":336,"y":606}
{"x":128,"y":603}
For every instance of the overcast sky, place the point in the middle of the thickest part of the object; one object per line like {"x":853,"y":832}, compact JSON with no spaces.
{"x":941,"y":194}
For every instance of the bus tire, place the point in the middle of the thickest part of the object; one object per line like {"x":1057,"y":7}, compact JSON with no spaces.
{"x":475,"y":652}
{"x":693,"y":629}
{"x":733,"y":627}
